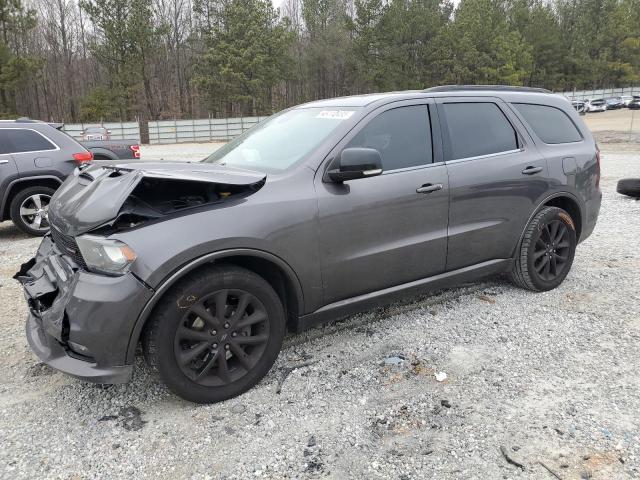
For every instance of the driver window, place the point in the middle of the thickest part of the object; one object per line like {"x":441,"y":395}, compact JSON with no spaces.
{"x":401,"y":135}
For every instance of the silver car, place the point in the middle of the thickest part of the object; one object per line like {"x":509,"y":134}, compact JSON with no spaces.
{"x":35,"y":158}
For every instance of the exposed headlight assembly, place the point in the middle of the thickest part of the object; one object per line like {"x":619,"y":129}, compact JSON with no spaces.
{"x":102,"y":255}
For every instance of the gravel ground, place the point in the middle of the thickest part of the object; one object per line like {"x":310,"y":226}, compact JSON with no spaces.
{"x":183,"y":151}
{"x":553,"y":378}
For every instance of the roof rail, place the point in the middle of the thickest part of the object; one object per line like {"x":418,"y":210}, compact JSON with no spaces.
{"x":483,"y":88}
{"x":25,"y":120}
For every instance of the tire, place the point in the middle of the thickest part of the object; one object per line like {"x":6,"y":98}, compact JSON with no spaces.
{"x":629,"y":186}
{"x":185,"y":325}
{"x":537,"y":253}
{"x":24,"y":201}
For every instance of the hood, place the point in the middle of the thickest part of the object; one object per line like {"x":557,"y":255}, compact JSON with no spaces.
{"x":105,"y":192}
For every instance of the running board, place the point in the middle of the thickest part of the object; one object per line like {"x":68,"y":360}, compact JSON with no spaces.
{"x":371,"y":300}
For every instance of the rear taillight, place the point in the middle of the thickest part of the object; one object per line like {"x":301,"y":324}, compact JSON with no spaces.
{"x":597,"y":166}
{"x":136,"y":150}
{"x":83,"y":157}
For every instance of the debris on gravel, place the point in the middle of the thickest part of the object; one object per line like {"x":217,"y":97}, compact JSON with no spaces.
{"x":360,"y":398}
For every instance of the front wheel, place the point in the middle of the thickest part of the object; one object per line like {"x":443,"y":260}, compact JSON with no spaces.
{"x":215,"y":334}
{"x":546,"y":252}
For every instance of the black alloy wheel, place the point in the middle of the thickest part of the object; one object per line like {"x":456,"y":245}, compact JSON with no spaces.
{"x":222,"y":337}
{"x":545,"y":253}
{"x":552,"y":250}
{"x":215,"y":334}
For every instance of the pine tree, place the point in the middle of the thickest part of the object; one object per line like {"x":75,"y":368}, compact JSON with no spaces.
{"x":245,"y":57}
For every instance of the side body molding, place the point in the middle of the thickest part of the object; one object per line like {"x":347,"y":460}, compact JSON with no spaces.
{"x":198,"y":262}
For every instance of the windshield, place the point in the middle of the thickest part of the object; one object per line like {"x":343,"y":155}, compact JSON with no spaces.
{"x":281,"y":140}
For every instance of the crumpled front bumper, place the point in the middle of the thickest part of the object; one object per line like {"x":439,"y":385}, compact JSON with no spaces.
{"x":80,"y":323}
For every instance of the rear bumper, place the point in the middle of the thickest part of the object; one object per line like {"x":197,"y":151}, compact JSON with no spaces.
{"x":592,"y":210}
{"x":80,"y":323}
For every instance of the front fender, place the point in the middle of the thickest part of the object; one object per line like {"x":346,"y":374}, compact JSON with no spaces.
{"x":198,"y":262}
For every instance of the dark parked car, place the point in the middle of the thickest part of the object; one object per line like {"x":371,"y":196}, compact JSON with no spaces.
{"x":113,"y":149}
{"x":635,"y":103}
{"x":615,"y":103}
{"x":35,"y":158}
{"x":322,"y":210}
{"x":95,"y":133}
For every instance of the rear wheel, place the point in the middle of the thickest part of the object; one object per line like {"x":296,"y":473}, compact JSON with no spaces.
{"x":546,"y":252}
{"x":29,"y":210}
{"x":215,"y":334}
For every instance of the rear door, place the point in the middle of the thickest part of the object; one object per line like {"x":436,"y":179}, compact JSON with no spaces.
{"x":496,"y":177}
{"x":31,"y":150}
{"x":391,"y":229}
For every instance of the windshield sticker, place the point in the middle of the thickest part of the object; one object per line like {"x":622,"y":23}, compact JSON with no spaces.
{"x":335,"y":114}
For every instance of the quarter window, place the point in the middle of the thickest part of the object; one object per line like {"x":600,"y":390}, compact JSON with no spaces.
{"x":476,"y":129}
{"x":401,"y":135}
{"x":551,"y":124}
{"x":16,"y":140}
{"x":5,"y":145}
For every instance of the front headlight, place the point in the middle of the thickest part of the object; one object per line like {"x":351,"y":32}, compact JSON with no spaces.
{"x":103,"y":255}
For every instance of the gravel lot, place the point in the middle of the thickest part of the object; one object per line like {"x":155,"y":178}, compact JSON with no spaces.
{"x":553,"y":378}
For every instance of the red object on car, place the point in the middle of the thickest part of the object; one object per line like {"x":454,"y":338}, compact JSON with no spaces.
{"x":136,"y":150}
{"x":83,"y":157}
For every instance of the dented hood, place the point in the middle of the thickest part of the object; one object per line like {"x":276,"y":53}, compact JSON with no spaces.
{"x":94,"y":195}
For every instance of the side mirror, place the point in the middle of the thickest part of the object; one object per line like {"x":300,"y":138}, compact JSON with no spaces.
{"x":355,"y":163}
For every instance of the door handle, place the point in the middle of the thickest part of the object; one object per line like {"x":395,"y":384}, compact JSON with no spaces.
{"x":531,"y":170}
{"x":429,"y":187}
{"x":2,"y":162}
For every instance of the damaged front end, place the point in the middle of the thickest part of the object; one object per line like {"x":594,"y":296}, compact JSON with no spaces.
{"x":83,"y":300}
{"x":48,"y":281}
{"x":79,"y":322}
{"x":121,"y":196}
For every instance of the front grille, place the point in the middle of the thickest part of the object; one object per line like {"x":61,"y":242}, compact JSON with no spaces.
{"x":67,"y":244}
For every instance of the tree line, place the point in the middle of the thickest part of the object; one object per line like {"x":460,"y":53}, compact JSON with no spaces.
{"x":92,"y":60}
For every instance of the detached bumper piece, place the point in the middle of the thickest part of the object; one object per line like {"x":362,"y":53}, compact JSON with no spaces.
{"x":78,"y":322}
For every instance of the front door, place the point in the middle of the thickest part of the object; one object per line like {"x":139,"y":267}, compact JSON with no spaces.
{"x":496,"y":178}
{"x":391,"y":229}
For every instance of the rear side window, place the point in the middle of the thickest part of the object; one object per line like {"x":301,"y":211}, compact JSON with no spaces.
{"x":551,"y":124}
{"x":401,"y":135}
{"x":476,"y":129}
{"x":17,"y":140}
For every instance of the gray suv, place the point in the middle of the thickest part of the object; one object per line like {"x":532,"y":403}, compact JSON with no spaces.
{"x":35,"y":158}
{"x":320,"y":211}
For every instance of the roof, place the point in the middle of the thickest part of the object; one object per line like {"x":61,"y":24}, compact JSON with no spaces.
{"x":22,"y":120}
{"x":356,"y":100}
{"x":32,"y":124}
{"x":485,"y":88}
{"x":507,"y":93}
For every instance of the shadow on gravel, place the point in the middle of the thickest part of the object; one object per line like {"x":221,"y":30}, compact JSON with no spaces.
{"x":428,"y":303}
{"x":108,"y":402}
{"x":8,"y":231}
